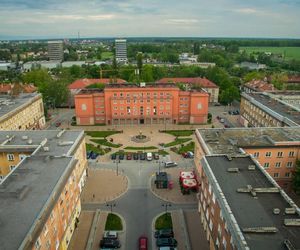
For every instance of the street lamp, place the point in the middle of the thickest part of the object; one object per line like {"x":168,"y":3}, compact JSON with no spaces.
{"x":111,"y":205}
{"x":117,"y":165}
{"x":166,"y":205}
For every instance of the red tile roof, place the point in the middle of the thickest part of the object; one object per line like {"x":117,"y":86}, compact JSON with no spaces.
{"x":293,"y":79}
{"x":6,"y":88}
{"x":203,"y":82}
{"x":83,"y":83}
{"x":260,"y":85}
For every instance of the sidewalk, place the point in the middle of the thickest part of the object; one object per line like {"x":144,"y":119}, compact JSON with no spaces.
{"x":180,"y":230}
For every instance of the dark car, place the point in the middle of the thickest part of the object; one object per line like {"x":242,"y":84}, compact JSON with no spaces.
{"x":129,"y":156}
{"x":166,"y":242}
{"x":113,"y":156}
{"x":143,"y":243}
{"x":88,"y":154}
{"x":135,"y":156}
{"x":156,"y":156}
{"x":109,"y":243}
{"x":94,"y":155}
{"x":164,"y":233}
{"x":142,"y":156}
{"x":121,"y":157}
{"x":57,"y":124}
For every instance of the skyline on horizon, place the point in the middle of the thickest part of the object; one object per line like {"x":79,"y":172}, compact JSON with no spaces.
{"x":29,"y":19}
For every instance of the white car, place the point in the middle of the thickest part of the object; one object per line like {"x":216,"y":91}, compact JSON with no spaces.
{"x":170,"y":164}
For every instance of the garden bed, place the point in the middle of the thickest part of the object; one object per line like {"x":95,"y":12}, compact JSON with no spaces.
{"x":113,"y":223}
{"x":102,"y":134}
{"x":164,"y":222}
{"x":104,"y":142}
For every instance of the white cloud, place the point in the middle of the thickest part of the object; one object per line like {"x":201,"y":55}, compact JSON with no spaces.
{"x":247,"y":11}
{"x":83,"y":17}
{"x":181,"y":21}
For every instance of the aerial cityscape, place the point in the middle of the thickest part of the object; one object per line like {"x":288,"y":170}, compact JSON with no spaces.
{"x":162,"y":125}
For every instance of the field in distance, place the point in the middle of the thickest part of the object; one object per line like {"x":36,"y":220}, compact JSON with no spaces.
{"x":288,"y":53}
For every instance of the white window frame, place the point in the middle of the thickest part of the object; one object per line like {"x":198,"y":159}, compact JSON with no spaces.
{"x":10,"y":157}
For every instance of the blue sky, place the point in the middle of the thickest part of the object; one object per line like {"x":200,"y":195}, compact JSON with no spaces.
{"x":125,"y":18}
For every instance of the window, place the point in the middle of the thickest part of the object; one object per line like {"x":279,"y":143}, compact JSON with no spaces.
{"x":12,"y":167}
{"x":21,"y":157}
{"x":45,"y":230}
{"x":277,"y":164}
{"x":128,"y":110}
{"x":10,"y":157}
{"x":266,"y":165}
{"x":213,"y":198}
{"x":279,"y":154}
{"x":256,"y":154}
{"x":199,"y":106}
{"x":291,"y":154}
{"x":268,"y":154}
{"x":276,"y":175}
{"x":37,"y":244}
{"x":83,"y":107}
{"x":289,"y":164}
{"x":48,"y":244}
{"x":287,"y":174}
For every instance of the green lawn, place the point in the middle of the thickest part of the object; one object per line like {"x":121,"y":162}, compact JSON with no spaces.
{"x":101,"y":133}
{"x":140,"y":148}
{"x":107,"y":55}
{"x":189,"y":147}
{"x":113,"y":223}
{"x":177,"y":142}
{"x":164,"y":222}
{"x":104,"y":142}
{"x":91,"y":147}
{"x":289,"y":53}
{"x":179,"y":132}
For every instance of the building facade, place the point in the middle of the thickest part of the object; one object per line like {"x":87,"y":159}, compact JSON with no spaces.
{"x":190,"y":82}
{"x":121,"y":50}
{"x":42,"y":193}
{"x":263,"y":110}
{"x":238,"y":194}
{"x":23,"y":112}
{"x":55,"y":50}
{"x":133,"y":104}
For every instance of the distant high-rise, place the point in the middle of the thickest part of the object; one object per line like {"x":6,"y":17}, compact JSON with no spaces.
{"x":121,"y":50}
{"x":55,"y":50}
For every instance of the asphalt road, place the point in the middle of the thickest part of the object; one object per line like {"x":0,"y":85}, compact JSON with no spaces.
{"x":63,"y":116}
{"x":138,"y":206}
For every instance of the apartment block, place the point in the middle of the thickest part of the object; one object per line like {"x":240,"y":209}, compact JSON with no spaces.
{"x":40,"y":197}
{"x":241,"y":201}
{"x":22,"y":112}
{"x":121,"y":50}
{"x":258,"y":86}
{"x":55,"y":51}
{"x":132,"y":104}
{"x":276,"y":149}
{"x":264,"y":110}
{"x":211,"y":88}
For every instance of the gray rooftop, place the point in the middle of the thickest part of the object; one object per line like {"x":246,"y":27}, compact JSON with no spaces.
{"x":249,"y":211}
{"x":9,"y":104}
{"x":26,"y":190}
{"x":282,"y":109}
{"x":229,"y":141}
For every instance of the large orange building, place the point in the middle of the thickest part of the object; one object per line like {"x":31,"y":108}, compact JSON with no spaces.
{"x":141,"y":104}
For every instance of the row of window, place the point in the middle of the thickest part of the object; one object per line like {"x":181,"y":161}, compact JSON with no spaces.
{"x":278,"y":164}
{"x":141,"y":113}
{"x":121,"y":94}
{"x":139,"y":101}
{"x":11,"y":157}
{"x":279,"y":154}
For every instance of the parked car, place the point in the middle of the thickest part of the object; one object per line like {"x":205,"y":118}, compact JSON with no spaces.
{"x":217,"y":104}
{"x":110,"y":235}
{"x":135,"y":156}
{"x":113,"y":156}
{"x":164,"y":233}
{"x":149,"y":156}
{"x":110,"y":243}
{"x":129,"y":156}
{"x":94,"y":155}
{"x":188,"y":154}
{"x":142,"y":156}
{"x":88,"y":154}
{"x":156,"y":156}
{"x":170,"y":164}
{"x":121,"y":157}
{"x":167,"y":248}
{"x":57,"y":124}
{"x":143,"y":243}
{"x":168,"y":242}
{"x":222,"y":120}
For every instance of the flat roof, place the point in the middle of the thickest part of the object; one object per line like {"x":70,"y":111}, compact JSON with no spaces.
{"x":284,"y":110}
{"x":9,"y":104}
{"x":250,"y":211}
{"x":29,"y":190}
{"x":230,"y":140}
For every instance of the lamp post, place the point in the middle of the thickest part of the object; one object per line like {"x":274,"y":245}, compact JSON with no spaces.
{"x":117,"y":165}
{"x":111,"y":205}
{"x":159,"y":166}
{"x":166,"y":205}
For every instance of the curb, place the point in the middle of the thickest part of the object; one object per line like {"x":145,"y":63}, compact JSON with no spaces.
{"x":93,"y":229}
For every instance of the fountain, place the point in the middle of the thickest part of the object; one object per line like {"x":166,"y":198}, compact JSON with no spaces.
{"x":140,"y":138}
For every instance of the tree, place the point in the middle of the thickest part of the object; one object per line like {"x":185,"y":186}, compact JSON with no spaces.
{"x":196,"y":48}
{"x":37,"y":77}
{"x":147,"y":74}
{"x":279,"y":79}
{"x":296,"y":178}
{"x":139,"y":61}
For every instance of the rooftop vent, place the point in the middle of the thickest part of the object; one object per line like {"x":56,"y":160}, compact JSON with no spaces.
{"x":290,"y":210}
{"x":60,"y":133}
{"x":142,"y":84}
{"x":251,"y":167}
{"x":65,"y":143}
{"x":260,"y":230}
{"x":24,"y":137}
{"x":46,"y":149}
{"x":43,"y":143}
{"x":233,"y":170}
{"x":276,"y":211}
{"x":292,"y":222}
{"x":29,"y":141}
